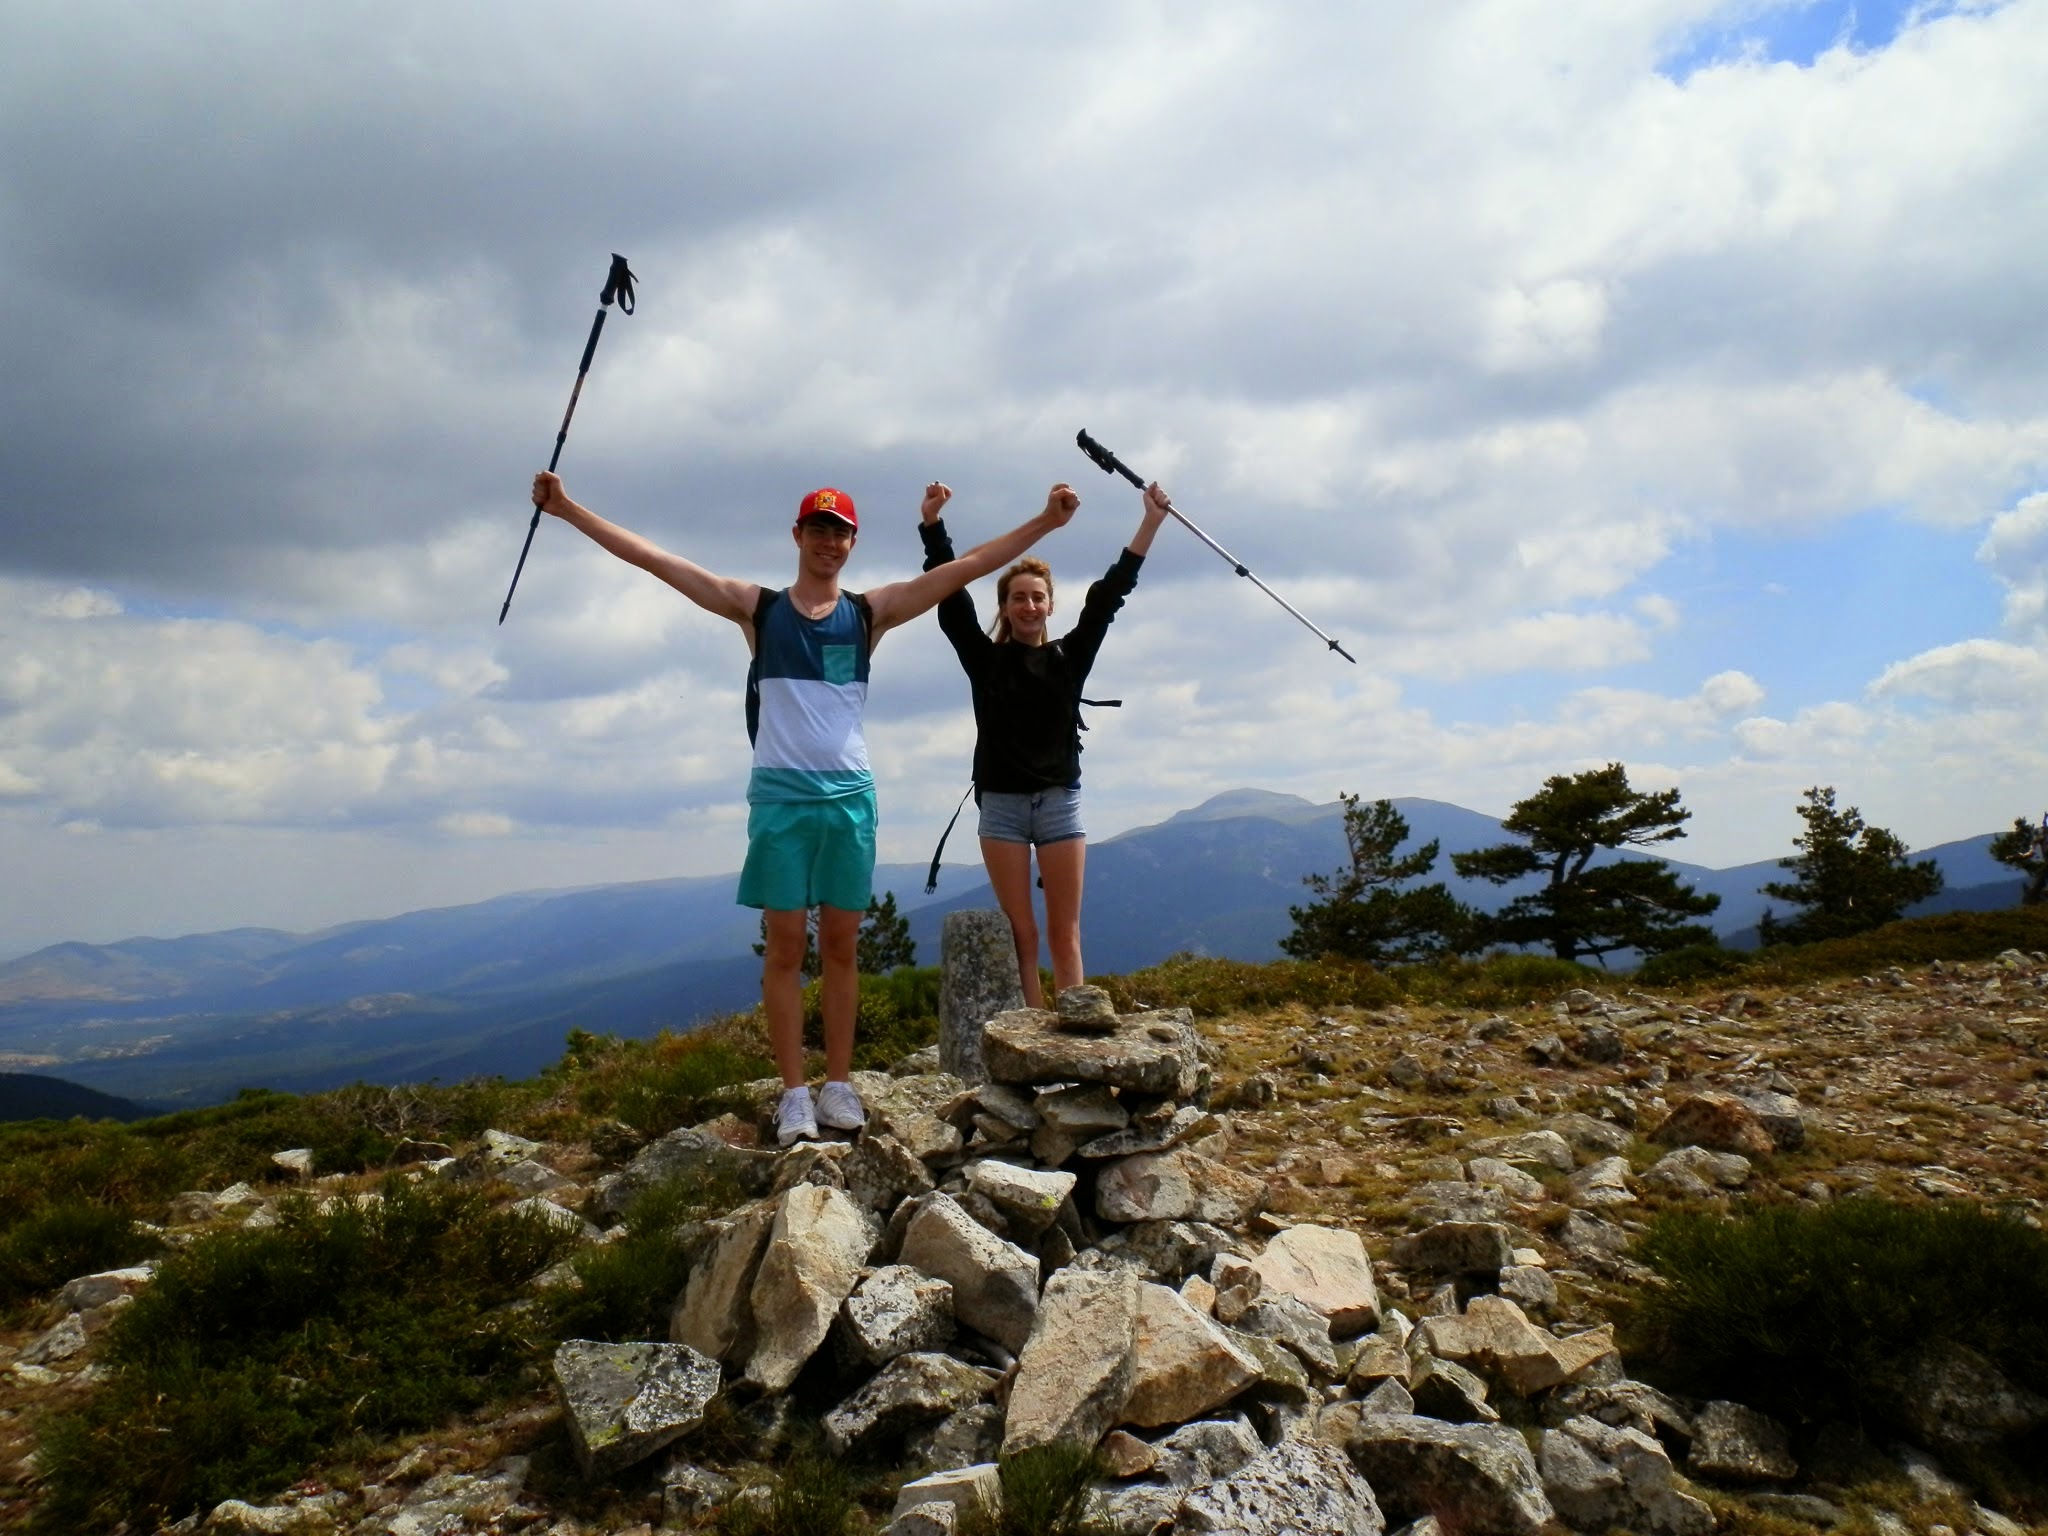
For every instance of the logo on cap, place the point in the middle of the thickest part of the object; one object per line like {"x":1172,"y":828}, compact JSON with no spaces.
{"x":828,"y":503}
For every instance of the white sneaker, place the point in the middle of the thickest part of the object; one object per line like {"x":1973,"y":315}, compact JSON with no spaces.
{"x":794,"y":1121}
{"x":840,"y":1108}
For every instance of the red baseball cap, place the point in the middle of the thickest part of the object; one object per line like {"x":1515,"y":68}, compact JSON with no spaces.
{"x":828,"y":503}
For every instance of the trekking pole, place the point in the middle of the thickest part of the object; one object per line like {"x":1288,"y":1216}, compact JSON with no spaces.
{"x":618,"y":284}
{"x":1110,"y":464}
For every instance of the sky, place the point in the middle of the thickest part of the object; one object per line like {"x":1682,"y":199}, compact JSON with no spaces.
{"x":1663,"y":383}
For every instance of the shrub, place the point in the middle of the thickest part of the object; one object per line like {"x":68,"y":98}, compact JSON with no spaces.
{"x":63,"y":1241}
{"x":627,"y":1287}
{"x":1803,"y":1312}
{"x":1695,"y":962}
{"x":813,"y":1495}
{"x":656,"y":1085}
{"x":1046,"y":1491}
{"x":256,"y":1351}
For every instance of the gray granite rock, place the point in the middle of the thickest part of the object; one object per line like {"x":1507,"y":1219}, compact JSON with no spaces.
{"x":909,"y":1393}
{"x":1739,"y":1445}
{"x":897,"y":1310}
{"x":1300,"y":1487}
{"x":1472,"y":1477}
{"x":624,"y":1402}
{"x":1600,"y":1477}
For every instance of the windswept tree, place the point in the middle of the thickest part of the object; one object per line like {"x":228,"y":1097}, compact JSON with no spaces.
{"x":1847,"y":876}
{"x":1365,"y":914}
{"x":2025,"y":848}
{"x":1588,"y":908}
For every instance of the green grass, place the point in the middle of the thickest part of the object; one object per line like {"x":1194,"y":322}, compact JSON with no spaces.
{"x":812,"y":1495}
{"x":255,"y":1353}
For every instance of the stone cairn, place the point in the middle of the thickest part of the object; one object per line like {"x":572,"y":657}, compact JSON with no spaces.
{"x":1062,"y":1253}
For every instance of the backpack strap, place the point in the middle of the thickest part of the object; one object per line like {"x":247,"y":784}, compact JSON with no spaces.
{"x":931,"y":876}
{"x":866,"y":610}
{"x":767,"y":600}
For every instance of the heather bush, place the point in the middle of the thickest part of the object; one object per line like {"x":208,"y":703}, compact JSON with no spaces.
{"x":625,"y":1288}
{"x":1804,"y":1312}
{"x":1046,"y":1491}
{"x":255,"y":1352}
{"x":62,"y":1241}
{"x":656,"y":1085}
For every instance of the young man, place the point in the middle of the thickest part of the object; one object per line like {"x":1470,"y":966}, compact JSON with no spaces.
{"x":811,"y":826}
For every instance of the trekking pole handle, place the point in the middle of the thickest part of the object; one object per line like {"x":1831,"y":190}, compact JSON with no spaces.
{"x":1106,"y":461}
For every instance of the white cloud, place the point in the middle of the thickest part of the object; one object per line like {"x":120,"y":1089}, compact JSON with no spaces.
{"x":1973,"y":674}
{"x":476,"y":824}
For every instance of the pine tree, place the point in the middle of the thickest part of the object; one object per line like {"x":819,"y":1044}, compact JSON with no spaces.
{"x":885,"y":942}
{"x":1849,"y":876}
{"x":2025,"y":848}
{"x":1586,"y":908}
{"x":1363,"y":915}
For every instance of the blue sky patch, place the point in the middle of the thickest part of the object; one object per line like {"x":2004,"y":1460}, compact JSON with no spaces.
{"x":1795,"y":32}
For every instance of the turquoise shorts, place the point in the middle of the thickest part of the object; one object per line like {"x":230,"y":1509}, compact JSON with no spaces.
{"x":810,"y":853}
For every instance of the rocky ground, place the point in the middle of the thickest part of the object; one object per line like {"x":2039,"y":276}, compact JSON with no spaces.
{"x":1341,"y":1272}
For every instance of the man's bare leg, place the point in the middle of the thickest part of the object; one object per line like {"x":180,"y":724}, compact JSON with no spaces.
{"x":838,"y":955}
{"x":782,"y":993}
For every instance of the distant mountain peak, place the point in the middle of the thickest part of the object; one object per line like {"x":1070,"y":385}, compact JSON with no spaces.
{"x":1247,"y":802}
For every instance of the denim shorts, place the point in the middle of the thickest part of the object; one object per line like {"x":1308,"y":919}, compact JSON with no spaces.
{"x":810,"y":853}
{"x":1050,"y":816}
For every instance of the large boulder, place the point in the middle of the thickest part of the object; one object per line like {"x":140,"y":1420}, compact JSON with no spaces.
{"x":1472,"y":1477}
{"x":1185,"y":1365}
{"x":995,"y":1283}
{"x":1179,"y":1185}
{"x":895,"y":1311}
{"x":813,"y":1258}
{"x":1600,"y":1477}
{"x":683,"y":1154}
{"x":1718,"y":1121}
{"x":908,"y":1393}
{"x":1075,"y":1372}
{"x":1327,"y":1268}
{"x":1300,"y":1487}
{"x":624,"y":1402}
{"x":713,"y":1315}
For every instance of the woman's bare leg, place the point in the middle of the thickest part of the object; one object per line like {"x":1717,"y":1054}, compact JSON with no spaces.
{"x":1060,"y":866}
{"x":1009,"y":875}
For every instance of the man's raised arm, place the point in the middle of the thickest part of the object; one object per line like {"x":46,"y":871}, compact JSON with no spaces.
{"x":725,"y":596}
{"x":902,"y":601}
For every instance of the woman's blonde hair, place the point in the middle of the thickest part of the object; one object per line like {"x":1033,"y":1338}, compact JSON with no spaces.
{"x":1028,"y":566}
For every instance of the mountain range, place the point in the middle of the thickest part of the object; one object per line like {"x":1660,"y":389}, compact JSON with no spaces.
{"x":494,"y":986}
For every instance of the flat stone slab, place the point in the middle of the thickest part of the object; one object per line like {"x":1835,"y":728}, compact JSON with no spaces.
{"x":1146,"y":1053}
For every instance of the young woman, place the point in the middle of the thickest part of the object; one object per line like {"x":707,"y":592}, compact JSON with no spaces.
{"x":1027,"y":749}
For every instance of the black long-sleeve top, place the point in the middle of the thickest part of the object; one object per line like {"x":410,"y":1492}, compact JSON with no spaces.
{"x":1027,"y":697}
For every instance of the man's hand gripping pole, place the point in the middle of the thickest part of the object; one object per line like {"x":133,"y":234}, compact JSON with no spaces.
{"x":1110,"y":464}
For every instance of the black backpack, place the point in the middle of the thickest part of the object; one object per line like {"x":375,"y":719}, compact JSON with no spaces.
{"x":768,"y":599}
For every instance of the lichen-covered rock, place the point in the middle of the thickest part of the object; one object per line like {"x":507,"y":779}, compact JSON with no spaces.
{"x":1737,"y":1444}
{"x":816,"y":1247}
{"x":908,"y":1393}
{"x":1075,"y":1372}
{"x":1600,"y":1477}
{"x":1955,"y":1399}
{"x":1472,"y":1477}
{"x":895,"y":1311}
{"x":1147,"y":1053}
{"x":624,"y":1402}
{"x":1029,"y":1198}
{"x":1456,"y":1248}
{"x":686,"y":1153}
{"x":995,"y":1283}
{"x":881,"y":1171}
{"x":977,"y":981}
{"x":1300,"y":1486}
